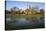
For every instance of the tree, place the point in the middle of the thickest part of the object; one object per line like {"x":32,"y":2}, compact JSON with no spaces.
{"x":8,"y":12}
{"x":15,"y":9}
{"x":42,"y":11}
{"x":13,"y":12}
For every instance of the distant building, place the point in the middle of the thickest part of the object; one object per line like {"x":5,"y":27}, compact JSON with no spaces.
{"x":42,"y":11}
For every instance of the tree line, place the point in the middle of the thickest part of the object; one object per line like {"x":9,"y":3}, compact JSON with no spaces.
{"x":32,"y":10}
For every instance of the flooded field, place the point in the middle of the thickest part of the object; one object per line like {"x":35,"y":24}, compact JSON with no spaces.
{"x":24,"y":23}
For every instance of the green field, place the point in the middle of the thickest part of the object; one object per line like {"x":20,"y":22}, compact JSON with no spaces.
{"x":24,"y":16}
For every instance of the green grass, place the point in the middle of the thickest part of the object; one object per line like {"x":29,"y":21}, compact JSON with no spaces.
{"x":25,"y":16}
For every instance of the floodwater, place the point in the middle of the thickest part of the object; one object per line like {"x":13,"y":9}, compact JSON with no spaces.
{"x":24,"y":21}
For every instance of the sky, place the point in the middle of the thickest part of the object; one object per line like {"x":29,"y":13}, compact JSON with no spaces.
{"x":22,"y":4}
{"x":28,"y":0}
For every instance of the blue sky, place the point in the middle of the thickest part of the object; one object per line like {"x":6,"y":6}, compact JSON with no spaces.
{"x":10,"y":4}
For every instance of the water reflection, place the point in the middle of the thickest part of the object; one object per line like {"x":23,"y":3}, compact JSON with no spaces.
{"x":24,"y":21}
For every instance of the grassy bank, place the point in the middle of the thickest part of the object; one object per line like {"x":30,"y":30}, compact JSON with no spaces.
{"x":23,"y":16}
